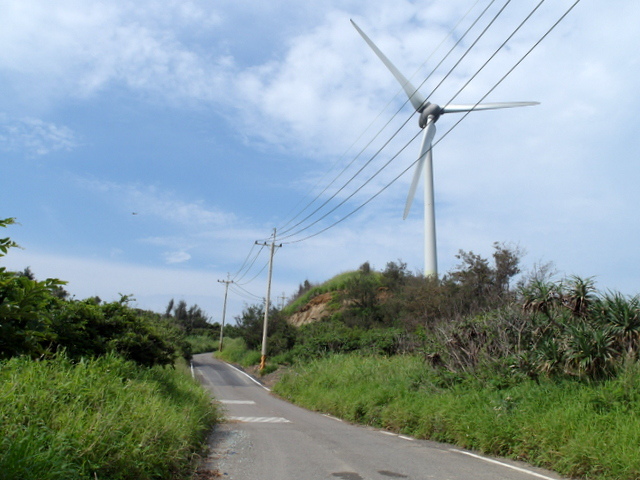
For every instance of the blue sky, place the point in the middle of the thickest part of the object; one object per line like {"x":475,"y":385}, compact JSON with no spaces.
{"x":146,"y":145}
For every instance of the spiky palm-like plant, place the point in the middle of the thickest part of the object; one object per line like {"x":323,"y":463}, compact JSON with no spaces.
{"x":622,"y":315}
{"x":541,"y":296}
{"x":590,"y":350}
{"x":579,"y":295}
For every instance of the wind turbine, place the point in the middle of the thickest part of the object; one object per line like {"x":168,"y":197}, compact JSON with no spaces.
{"x":429,"y":115}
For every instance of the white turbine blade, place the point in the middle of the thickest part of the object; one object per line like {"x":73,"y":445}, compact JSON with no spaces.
{"x":429,"y":133}
{"x":417,"y":100}
{"x":485,"y":106}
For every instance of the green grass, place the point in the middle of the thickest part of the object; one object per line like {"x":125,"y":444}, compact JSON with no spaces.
{"x":202,"y":343}
{"x":99,"y":419}
{"x":577,"y":429}
{"x":333,"y":285}
{"x":234,"y":350}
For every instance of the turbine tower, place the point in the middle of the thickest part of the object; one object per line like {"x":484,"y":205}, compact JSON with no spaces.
{"x":429,"y":115}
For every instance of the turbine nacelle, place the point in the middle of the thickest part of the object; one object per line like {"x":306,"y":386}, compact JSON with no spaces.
{"x":429,"y":110}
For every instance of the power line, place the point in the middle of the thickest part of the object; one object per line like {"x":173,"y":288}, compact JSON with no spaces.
{"x":283,"y":227}
{"x":238,"y":278}
{"x":397,"y":131}
{"x":256,"y":275}
{"x":368,"y":162}
{"x":555,"y":24}
{"x":237,"y":289}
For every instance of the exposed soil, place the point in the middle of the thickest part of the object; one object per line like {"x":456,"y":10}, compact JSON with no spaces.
{"x":316,"y":309}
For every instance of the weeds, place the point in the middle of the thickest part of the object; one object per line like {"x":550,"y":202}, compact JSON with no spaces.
{"x":100,"y":418}
{"x":572,"y":427}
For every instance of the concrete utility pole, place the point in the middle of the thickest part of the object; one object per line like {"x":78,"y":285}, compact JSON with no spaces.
{"x":263,"y":357}
{"x":224,"y":308}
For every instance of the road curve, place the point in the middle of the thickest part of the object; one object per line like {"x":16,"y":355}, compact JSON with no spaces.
{"x":266,"y":438}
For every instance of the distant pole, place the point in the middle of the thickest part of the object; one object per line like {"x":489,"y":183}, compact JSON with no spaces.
{"x":283,"y":298}
{"x":263,"y":356}
{"x":224,"y":308}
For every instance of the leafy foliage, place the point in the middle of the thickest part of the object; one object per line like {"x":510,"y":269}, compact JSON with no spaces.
{"x":470,"y":320}
{"x":37,"y":320}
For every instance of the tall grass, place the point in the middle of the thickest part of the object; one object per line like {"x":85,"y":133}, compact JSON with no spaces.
{"x":105,"y":418}
{"x":235,"y":350}
{"x":202,"y":343}
{"x":589,"y":430}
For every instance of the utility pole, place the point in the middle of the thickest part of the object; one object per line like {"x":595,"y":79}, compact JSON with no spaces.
{"x":263,"y":356}
{"x":283,"y":298}
{"x":224,"y":308}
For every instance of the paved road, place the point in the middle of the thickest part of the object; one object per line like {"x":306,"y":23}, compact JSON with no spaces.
{"x":266,"y":438}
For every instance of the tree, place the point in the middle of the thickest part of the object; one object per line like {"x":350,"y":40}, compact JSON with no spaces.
{"x":25,"y":320}
{"x":188,"y":318}
{"x":280,"y":335}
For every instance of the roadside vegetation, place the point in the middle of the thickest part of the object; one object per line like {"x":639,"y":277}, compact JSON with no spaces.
{"x":94,"y":390}
{"x":521,"y":365}
{"x":104,"y":418}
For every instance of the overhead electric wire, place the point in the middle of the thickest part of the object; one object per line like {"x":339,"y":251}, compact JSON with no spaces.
{"x":526,"y":19}
{"x":562,"y":17}
{"x":456,"y":124}
{"x":400,"y":90}
{"x":396,"y":132}
{"x":374,"y":156}
{"x":256,"y":275}
{"x":242,"y":292}
{"x":237,"y":278}
{"x":235,"y":275}
{"x":385,"y":187}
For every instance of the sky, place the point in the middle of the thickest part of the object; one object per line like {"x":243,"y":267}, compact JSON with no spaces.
{"x":147,"y":145}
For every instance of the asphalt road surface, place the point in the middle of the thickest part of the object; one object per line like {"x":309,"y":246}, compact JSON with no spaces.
{"x":266,"y":438}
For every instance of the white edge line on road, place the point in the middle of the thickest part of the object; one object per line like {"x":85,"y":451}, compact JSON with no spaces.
{"x":332,"y":417}
{"x":513,"y":467}
{"x":392,"y":434}
{"x":249,"y":377}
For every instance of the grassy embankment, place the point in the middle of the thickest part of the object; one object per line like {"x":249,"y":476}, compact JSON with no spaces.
{"x":588,"y":430}
{"x":235,"y":351}
{"x":104,"y":418}
{"x":202,"y":343}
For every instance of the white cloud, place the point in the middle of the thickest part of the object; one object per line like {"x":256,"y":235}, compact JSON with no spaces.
{"x":559,"y":179}
{"x":71,"y":48}
{"x":146,"y":200}
{"x":152,"y":287}
{"x":35,"y":137}
{"x":179,"y":256}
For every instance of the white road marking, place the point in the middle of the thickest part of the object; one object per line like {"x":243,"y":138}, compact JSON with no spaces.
{"x":237,"y":402}
{"x":249,"y":377}
{"x":260,"y":419}
{"x":332,"y":417}
{"x":392,"y":434}
{"x":512,"y":467}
